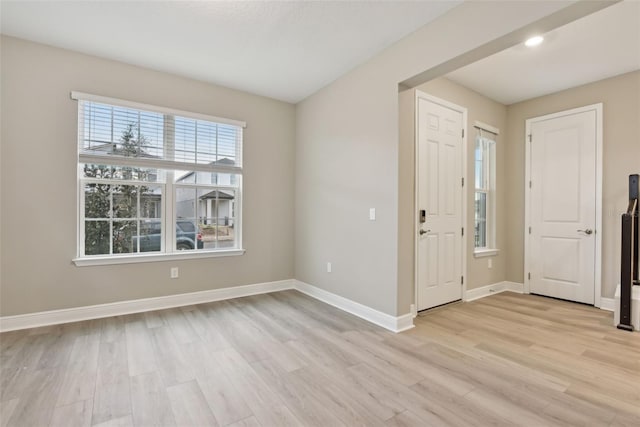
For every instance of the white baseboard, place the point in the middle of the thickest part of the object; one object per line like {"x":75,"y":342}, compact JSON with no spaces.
{"x":608,"y":304}
{"x":54,"y":317}
{"x":392,"y":323}
{"x":76,"y":314}
{"x":496,"y":288}
{"x":414,"y":310}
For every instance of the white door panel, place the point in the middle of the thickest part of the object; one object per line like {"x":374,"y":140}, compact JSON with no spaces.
{"x":439,"y":152}
{"x":563,"y":202}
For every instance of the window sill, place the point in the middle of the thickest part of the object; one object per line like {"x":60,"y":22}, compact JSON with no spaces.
{"x":134,"y":259}
{"x":481,"y":253}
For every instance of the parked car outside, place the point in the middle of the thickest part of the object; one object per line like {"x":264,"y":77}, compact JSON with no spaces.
{"x":187,"y":236}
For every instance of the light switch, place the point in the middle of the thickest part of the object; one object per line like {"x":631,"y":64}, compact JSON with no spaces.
{"x":372,"y":214}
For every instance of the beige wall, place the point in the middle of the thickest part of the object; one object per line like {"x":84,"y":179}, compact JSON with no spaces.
{"x":621,"y":103}
{"x":348,"y":158}
{"x":479,"y":108}
{"x":38,"y":178}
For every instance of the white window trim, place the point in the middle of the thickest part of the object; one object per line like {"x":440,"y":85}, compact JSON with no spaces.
{"x":168,"y":194}
{"x":80,"y":96}
{"x":490,"y":215}
{"x":156,"y":257}
{"x":484,"y":252}
{"x":156,"y":164}
{"x":488,"y":128}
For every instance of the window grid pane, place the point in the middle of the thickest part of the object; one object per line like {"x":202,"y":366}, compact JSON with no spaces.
{"x":114,"y":214}
{"x":121,"y":131}
{"x":481,"y":219}
{"x":212,"y":212}
{"x":201,"y":142}
{"x":484,"y":199}
{"x":116,"y":131}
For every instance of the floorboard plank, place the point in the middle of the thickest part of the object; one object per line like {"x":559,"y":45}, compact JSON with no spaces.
{"x":189,"y":405}
{"x":112,"y":398}
{"x":76,"y":414}
{"x":150,"y":404}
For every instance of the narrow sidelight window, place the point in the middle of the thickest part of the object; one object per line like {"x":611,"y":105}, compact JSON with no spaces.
{"x":485,"y":198}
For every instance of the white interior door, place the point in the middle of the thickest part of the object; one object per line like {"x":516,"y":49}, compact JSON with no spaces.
{"x":439,"y":196}
{"x":562,"y":205}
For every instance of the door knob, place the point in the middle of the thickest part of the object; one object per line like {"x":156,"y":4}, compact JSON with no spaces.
{"x":424,"y":232}
{"x":587,"y":231}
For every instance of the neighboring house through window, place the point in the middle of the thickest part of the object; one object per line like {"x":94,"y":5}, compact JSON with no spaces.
{"x":156,"y":181}
{"x":485,"y":194}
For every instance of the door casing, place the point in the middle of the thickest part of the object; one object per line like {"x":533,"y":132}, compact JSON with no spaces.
{"x":463,"y":217}
{"x":527,"y":190}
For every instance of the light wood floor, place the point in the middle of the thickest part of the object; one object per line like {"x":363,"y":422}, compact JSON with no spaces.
{"x":285,"y":359}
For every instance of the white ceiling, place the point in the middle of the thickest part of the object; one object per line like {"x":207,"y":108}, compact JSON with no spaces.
{"x":281,"y":49}
{"x":603,"y":44}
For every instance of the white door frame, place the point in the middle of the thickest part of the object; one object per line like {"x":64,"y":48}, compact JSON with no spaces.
{"x":527,"y":200}
{"x":463,"y":217}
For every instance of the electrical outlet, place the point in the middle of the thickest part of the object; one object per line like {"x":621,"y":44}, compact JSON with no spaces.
{"x":490,"y":263}
{"x":328,"y":267}
{"x":174,"y":272}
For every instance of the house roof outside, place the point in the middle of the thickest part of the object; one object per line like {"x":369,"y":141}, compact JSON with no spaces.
{"x":223,"y":161}
{"x":112,"y":148}
{"x":217,"y":194}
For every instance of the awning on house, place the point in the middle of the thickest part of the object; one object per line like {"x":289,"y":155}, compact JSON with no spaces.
{"x":220,"y":195}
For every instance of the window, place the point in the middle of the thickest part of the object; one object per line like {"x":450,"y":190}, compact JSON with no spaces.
{"x":485,"y":199}
{"x":156,"y":182}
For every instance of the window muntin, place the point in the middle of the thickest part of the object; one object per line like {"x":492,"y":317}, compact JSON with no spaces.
{"x":202,"y":142}
{"x":484,"y":218}
{"x":116,"y":216}
{"x":120,"y":135}
{"x":132,"y":181}
{"x":213,"y":209}
{"x":120,"y":131}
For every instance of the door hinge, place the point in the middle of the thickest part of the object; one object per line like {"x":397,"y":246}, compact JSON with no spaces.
{"x":462,"y":280}
{"x":463,"y":181}
{"x":463,"y":132}
{"x":529,"y":230}
{"x":530,"y":138}
{"x":530,"y":184}
{"x":529,"y":276}
{"x":463,"y":231}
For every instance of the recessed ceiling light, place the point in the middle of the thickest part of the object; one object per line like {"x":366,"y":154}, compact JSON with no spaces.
{"x":534,"y":41}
